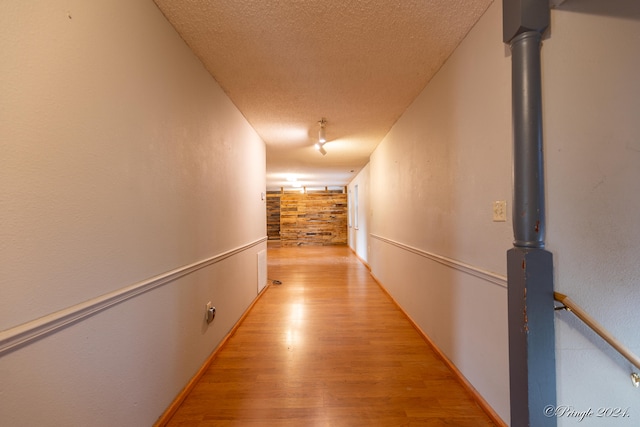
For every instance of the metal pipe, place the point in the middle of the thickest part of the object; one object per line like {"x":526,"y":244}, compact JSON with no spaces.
{"x":528,"y":179}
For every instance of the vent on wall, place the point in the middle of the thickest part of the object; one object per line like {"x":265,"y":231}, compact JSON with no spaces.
{"x":262,"y":270}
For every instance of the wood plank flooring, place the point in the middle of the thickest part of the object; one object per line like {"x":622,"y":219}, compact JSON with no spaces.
{"x":327,"y":347}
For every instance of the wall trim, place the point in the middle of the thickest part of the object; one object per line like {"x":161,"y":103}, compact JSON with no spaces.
{"x":486,"y":407}
{"x":488,"y":276}
{"x":362,"y":260}
{"x":25,"y":334}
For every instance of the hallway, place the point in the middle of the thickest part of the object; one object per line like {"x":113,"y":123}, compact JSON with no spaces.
{"x":326,"y":347}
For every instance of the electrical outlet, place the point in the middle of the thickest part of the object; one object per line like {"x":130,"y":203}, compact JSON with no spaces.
{"x":210,"y":312}
{"x":500,"y":211}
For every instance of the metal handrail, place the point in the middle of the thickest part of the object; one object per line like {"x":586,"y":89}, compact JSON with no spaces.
{"x":599,"y":329}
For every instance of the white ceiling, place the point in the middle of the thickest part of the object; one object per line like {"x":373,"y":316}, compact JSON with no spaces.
{"x":288,"y":63}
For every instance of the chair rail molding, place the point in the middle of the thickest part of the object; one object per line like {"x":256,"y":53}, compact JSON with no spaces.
{"x":26,"y":333}
{"x":488,"y":276}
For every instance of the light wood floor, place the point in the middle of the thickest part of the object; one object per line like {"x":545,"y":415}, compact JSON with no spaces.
{"x":327,"y":347}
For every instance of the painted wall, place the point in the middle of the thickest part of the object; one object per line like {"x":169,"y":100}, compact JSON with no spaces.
{"x":118,"y":149}
{"x":592,"y":105}
{"x":433,"y":178}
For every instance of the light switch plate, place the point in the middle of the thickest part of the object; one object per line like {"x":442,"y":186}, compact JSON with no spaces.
{"x":499,"y":211}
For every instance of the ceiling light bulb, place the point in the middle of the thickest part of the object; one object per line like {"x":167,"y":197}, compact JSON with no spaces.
{"x":321,"y":149}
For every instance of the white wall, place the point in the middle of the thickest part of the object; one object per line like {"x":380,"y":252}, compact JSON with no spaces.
{"x":433,"y":179}
{"x":434,"y":176}
{"x":592,"y":136}
{"x":118,"y":155}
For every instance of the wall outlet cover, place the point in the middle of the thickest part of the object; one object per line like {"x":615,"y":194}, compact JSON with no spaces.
{"x":500,"y":211}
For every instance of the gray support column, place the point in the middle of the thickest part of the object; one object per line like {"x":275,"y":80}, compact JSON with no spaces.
{"x":532,"y":364}
{"x":528,"y":183}
{"x":529,"y":266}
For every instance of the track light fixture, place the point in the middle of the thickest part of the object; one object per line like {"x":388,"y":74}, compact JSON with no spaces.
{"x":322,"y":137}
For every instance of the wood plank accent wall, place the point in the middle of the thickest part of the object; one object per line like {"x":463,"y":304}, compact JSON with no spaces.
{"x":313,"y":218}
{"x":273,"y":215}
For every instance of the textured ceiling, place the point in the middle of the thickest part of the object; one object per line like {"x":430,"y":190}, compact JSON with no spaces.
{"x":286,"y":64}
